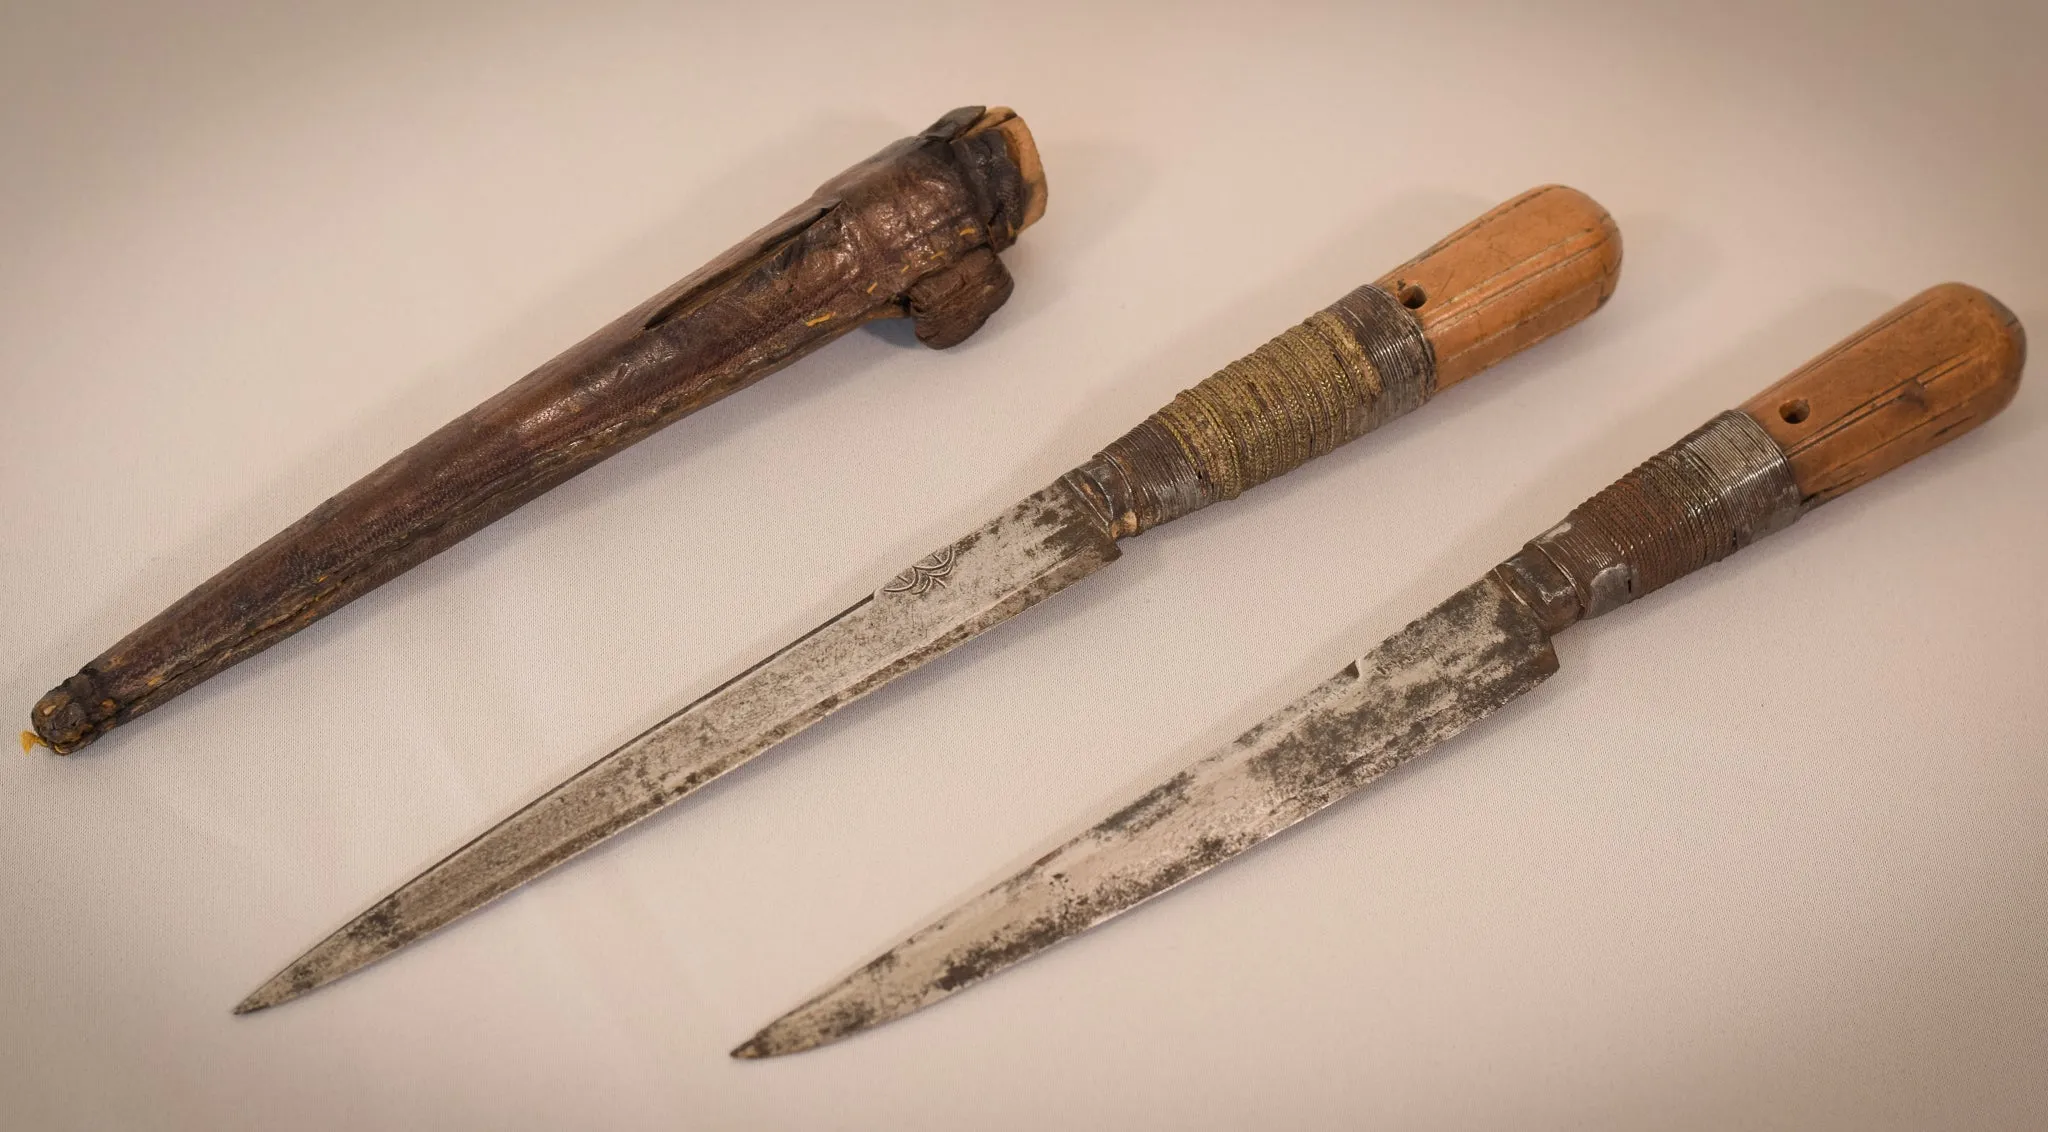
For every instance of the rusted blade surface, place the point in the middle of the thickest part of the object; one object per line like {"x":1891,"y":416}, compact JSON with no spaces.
{"x":1421,"y":686}
{"x":1036,"y":548}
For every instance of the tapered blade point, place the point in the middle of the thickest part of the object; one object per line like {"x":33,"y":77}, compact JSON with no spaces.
{"x":1478,"y":650}
{"x":309,"y":972}
{"x":1044,"y":543}
{"x":839,"y":1013}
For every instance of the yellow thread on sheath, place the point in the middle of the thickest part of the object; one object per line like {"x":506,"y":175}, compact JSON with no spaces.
{"x":30,"y":741}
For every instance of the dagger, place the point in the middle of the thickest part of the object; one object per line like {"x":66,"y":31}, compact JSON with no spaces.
{"x":1933,"y":368}
{"x":1520,"y":273}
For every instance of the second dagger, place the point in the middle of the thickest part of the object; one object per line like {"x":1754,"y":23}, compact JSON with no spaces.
{"x":1524,"y":271}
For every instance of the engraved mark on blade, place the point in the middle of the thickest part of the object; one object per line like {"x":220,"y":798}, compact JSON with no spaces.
{"x":929,"y":571}
{"x":1478,"y":650}
{"x":1034,"y":549}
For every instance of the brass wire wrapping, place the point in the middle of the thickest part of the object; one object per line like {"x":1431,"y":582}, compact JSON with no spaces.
{"x":1343,"y":372}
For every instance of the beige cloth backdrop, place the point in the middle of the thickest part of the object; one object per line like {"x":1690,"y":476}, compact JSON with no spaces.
{"x":1767,"y":853}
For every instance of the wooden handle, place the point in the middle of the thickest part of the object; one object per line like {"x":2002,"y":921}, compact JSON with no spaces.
{"x":1933,"y":368}
{"x":1510,"y":279}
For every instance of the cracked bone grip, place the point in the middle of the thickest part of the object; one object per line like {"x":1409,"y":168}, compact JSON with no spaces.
{"x":1931,"y":369}
{"x":1524,"y":271}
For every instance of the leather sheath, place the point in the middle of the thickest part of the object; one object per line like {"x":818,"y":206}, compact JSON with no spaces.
{"x":911,"y":232}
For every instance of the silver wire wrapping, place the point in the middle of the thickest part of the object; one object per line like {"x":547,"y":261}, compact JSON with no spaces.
{"x":1724,"y":486}
{"x":1346,"y":370}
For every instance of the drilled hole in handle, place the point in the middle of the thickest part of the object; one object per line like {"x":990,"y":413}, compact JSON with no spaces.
{"x":1794,"y":411}
{"x":1412,"y":296}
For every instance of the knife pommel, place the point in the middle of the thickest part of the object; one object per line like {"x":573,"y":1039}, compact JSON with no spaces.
{"x":1510,"y":279}
{"x":1933,"y":368}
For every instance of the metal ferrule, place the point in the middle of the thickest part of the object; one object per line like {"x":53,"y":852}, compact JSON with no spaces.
{"x":1721,"y":488}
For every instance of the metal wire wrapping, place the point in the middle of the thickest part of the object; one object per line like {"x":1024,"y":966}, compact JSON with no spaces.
{"x":1346,"y":370}
{"x":1722,"y":487}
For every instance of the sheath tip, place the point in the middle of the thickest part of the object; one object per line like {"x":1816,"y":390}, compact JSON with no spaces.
{"x":753,"y":1050}
{"x":72,"y":714}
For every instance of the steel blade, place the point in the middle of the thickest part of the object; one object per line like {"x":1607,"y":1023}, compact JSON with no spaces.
{"x":1042,"y":545}
{"x":1450,"y":668}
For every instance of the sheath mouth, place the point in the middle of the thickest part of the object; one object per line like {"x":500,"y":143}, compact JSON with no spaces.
{"x":1023,"y":151}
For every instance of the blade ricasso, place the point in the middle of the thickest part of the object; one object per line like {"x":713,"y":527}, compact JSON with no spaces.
{"x":1105,"y":488}
{"x":1537,"y":583}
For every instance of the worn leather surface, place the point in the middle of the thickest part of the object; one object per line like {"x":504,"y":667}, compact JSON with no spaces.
{"x":910,"y":232}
